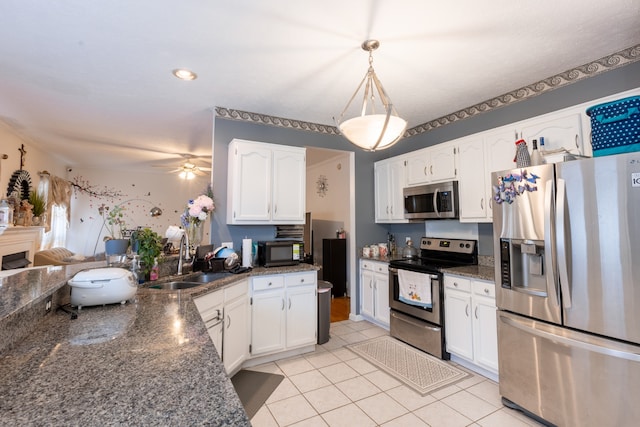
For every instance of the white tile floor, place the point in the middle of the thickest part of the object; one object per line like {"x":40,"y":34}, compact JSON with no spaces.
{"x":335,"y":387}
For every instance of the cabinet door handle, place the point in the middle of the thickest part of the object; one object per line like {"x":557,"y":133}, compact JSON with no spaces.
{"x":455,"y":284}
{"x":431,"y":170}
{"x":466,"y":310}
{"x":476,"y":312}
{"x":486,"y":291}
{"x":228,"y":322}
{"x":577,"y":146}
{"x":425,"y":171}
{"x":282,"y":304}
{"x":482,"y":203}
{"x":289,"y":303}
{"x":275,"y":209}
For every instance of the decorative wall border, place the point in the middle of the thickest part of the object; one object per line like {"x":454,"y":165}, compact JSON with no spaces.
{"x":599,"y":66}
{"x":245,"y":116}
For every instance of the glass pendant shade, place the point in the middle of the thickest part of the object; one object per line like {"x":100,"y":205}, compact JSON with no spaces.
{"x":377,"y":126}
{"x":369,"y":132}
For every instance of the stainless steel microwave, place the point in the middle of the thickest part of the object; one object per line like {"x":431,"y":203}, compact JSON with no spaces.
{"x":431,"y":201}
{"x":277,"y":253}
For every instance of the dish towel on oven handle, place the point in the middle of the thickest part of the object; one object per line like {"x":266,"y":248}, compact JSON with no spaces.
{"x":415,"y":288}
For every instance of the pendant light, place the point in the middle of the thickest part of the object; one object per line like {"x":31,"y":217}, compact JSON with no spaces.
{"x":378,"y":125}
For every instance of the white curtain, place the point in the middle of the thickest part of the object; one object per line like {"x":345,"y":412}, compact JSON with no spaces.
{"x":57,"y":223}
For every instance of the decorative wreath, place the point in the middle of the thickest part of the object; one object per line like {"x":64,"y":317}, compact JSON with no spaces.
{"x":20,"y":182}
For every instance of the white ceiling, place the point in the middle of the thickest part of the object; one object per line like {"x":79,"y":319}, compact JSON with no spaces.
{"x":91,"y":80}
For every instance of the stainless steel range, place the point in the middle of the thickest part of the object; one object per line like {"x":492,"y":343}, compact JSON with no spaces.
{"x":416,"y":293}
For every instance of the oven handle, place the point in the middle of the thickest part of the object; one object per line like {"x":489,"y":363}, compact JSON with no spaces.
{"x":394,"y":270}
{"x":423,"y":325}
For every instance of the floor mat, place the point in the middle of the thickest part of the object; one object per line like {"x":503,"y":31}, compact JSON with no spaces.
{"x":418,"y":370}
{"x":254,"y":388}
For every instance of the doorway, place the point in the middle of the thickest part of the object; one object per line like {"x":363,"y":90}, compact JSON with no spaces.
{"x":329,"y":199}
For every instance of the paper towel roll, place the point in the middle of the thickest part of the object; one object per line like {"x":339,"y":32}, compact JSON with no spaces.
{"x":246,"y":252}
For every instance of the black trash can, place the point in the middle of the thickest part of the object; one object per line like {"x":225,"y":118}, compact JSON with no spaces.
{"x":324,"y":310}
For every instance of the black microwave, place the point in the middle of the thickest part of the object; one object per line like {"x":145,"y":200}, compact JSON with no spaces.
{"x":431,"y":201}
{"x":277,"y":253}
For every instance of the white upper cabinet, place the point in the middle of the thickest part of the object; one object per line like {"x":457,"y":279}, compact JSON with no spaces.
{"x":289,"y":185}
{"x":559,"y":131}
{"x":472,"y":200}
{"x":483,"y":153}
{"x":432,"y":164}
{"x":265,"y":184}
{"x":389,"y":178}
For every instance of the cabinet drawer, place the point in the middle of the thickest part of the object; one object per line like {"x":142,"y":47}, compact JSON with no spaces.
{"x":263,"y":283}
{"x":209,"y":300}
{"x":234,"y":291}
{"x":297,"y":279}
{"x":487,"y":289}
{"x":380,"y":267}
{"x":366,"y":265}
{"x":459,"y":283}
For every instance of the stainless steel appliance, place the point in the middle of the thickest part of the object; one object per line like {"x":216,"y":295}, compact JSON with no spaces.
{"x":567,"y":239}
{"x":431,"y":201}
{"x":277,"y":253}
{"x":422,"y":325}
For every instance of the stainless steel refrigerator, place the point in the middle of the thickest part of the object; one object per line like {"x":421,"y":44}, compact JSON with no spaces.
{"x":567,"y":247}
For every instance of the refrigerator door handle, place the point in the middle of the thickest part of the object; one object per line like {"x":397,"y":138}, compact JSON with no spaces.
{"x":561,"y":242}
{"x":549,"y":246}
{"x":572,"y":342}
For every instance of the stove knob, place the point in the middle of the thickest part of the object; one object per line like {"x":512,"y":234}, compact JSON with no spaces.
{"x":462,"y":245}
{"x":467,"y":246}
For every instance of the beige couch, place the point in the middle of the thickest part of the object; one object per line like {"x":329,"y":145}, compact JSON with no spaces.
{"x":57,"y":256}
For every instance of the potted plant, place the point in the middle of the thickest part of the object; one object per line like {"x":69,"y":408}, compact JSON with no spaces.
{"x":113,"y":220}
{"x":39,"y":207}
{"x":149,"y":248}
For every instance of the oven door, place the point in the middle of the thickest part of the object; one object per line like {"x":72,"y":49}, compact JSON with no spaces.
{"x":429,"y":314}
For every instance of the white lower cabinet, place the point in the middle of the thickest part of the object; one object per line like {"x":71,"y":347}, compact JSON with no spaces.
{"x":470,"y":321}
{"x":226,"y":315}
{"x":374,"y":291}
{"x":283,"y":312}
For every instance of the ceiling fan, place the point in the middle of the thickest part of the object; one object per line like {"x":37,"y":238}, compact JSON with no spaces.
{"x":187,"y":169}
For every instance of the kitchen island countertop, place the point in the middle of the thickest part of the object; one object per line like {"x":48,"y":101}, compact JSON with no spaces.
{"x":147,"y":362}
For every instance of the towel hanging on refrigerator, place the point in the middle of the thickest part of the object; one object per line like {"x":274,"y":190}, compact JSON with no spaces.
{"x":415,"y":288}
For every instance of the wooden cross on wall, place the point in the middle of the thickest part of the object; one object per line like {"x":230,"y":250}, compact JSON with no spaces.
{"x":23,"y":152}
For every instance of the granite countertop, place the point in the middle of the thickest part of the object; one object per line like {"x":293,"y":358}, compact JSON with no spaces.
{"x":482,"y":272}
{"x":147,"y":362}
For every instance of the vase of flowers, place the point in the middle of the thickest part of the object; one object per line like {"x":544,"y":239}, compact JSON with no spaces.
{"x":194,"y":217}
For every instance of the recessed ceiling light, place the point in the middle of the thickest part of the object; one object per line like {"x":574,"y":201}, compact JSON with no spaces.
{"x":184,"y":74}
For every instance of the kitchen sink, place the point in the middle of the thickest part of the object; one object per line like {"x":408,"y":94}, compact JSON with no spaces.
{"x":189,"y":280}
{"x":209,"y":277}
{"x":175,"y":285}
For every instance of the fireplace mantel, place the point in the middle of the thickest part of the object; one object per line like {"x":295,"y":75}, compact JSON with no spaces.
{"x":21,"y":239}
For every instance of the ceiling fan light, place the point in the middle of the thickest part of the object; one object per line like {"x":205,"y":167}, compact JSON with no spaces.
{"x":369,"y":132}
{"x":186,"y":174}
{"x":184,"y":74}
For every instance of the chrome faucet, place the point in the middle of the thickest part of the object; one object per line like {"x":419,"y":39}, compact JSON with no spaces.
{"x":184,"y":243}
